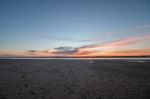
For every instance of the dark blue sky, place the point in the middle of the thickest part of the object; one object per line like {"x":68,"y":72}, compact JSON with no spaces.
{"x":44,"y":24}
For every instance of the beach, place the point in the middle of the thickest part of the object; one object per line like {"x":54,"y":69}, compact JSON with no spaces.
{"x":74,"y":79}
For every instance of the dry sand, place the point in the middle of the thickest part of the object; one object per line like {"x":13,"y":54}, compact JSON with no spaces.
{"x":74,"y":79}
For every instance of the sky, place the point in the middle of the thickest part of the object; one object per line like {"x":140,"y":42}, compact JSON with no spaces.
{"x":47,"y":28}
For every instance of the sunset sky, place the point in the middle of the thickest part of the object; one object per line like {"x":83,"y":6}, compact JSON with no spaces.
{"x":47,"y":28}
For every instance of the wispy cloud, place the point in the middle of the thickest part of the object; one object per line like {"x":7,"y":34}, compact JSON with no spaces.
{"x":126,"y":32}
{"x":138,"y":27}
{"x":119,"y":47}
{"x":120,"y":42}
{"x":59,"y":38}
{"x":64,"y":48}
{"x":39,"y":52}
{"x":111,"y":48}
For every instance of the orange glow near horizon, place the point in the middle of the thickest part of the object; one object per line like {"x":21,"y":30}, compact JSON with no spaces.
{"x":85,"y":53}
{"x":122,"y":47}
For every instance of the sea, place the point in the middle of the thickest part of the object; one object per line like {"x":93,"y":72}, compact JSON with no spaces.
{"x":90,"y":59}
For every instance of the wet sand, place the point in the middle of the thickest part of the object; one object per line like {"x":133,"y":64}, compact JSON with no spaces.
{"x":74,"y":79}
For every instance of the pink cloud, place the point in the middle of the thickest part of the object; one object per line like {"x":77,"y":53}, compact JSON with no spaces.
{"x":111,"y":48}
{"x":99,"y":49}
{"x":107,"y":48}
{"x":121,"y":42}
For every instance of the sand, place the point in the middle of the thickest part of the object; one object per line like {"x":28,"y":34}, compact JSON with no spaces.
{"x":74,"y":79}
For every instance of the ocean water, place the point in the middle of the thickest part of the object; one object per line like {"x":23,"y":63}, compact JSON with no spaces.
{"x":94,"y":59}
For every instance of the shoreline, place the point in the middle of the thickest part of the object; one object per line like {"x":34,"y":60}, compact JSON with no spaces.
{"x":109,"y":58}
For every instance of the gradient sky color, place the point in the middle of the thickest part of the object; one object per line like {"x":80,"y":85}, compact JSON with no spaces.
{"x":74,"y":28}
